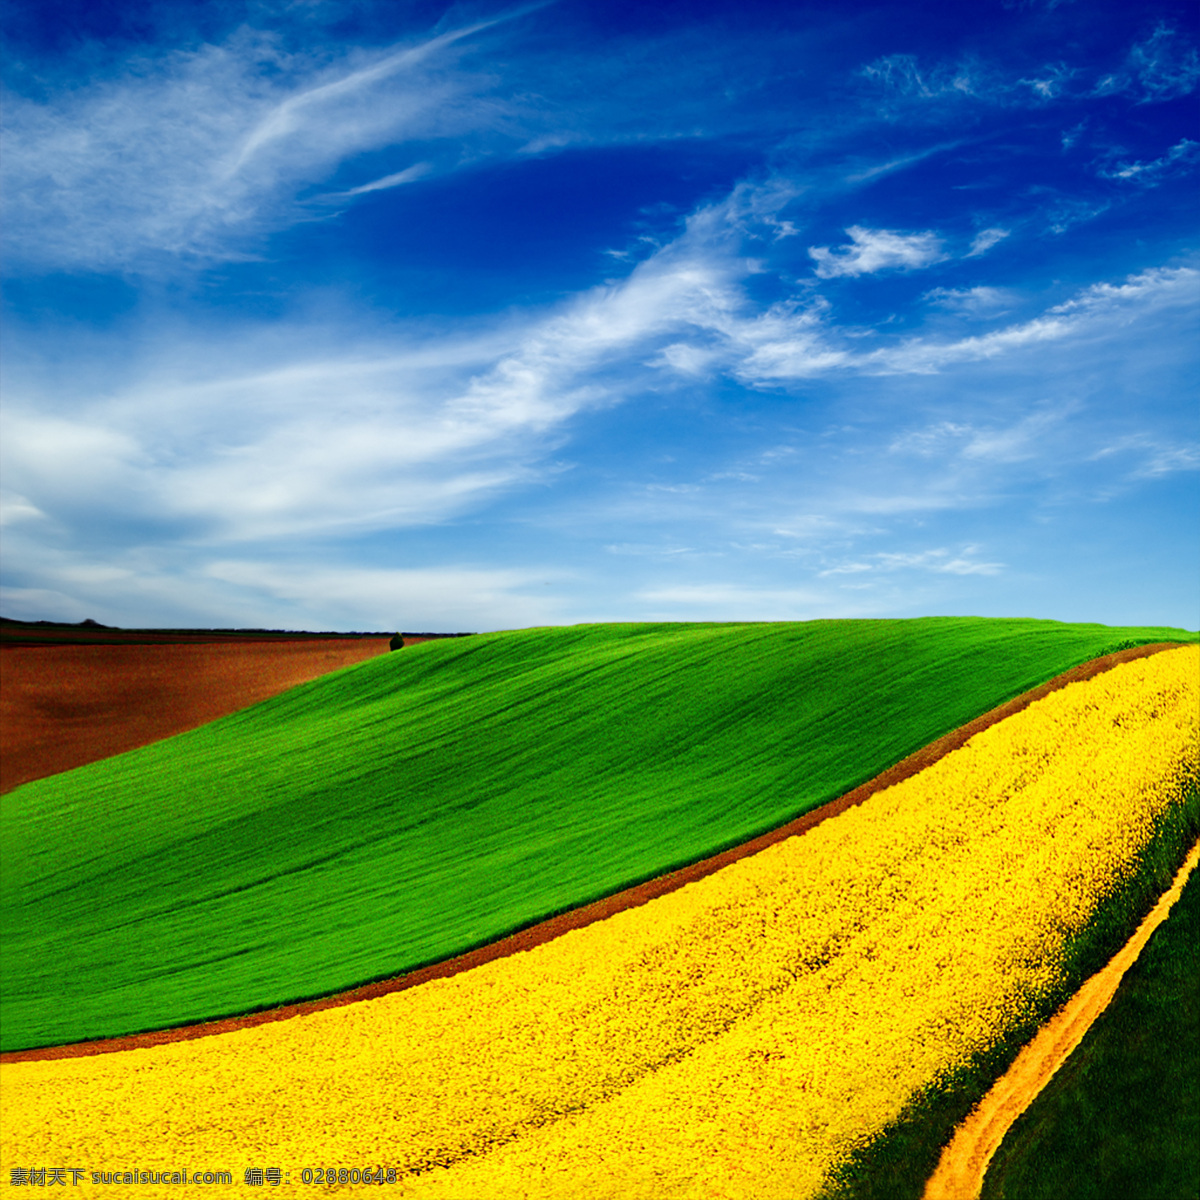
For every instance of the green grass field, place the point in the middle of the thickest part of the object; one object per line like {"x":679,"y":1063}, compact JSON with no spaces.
{"x":421,"y":803}
{"x":1121,"y":1117}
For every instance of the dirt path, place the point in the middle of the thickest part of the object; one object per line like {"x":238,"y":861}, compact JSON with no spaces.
{"x":599,"y":910}
{"x":964,"y":1162}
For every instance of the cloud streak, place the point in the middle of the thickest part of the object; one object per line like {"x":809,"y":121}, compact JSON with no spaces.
{"x":940,"y":561}
{"x":984,"y":240}
{"x":408,"y":175}
{"x":1149,"y":174}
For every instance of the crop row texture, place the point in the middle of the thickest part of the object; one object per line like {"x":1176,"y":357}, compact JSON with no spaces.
{"x":738,"y":1038}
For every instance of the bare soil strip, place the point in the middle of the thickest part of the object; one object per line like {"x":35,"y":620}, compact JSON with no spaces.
{"x":960,"y":1171}
{"x":544,"y":931}
{"x":64,"y":706}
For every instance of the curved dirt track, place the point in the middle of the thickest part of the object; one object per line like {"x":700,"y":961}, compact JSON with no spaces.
{"x":545,"y":931}
{"x":961,"y":1170}
{"x":64,"y":706}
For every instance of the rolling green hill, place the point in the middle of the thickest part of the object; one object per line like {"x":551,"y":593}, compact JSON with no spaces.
{"x":415,"y":805}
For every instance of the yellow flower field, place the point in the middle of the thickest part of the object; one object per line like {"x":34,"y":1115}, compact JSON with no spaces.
{"x":736,"y":1038}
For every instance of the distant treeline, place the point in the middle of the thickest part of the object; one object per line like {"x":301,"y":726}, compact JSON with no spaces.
{"x":89,"y":632}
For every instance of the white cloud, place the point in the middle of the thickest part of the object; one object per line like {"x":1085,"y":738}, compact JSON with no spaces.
{"x":899,"y":164}
{"x":877,"y":250}
{"x":921,"y":356}
{"x":1052,"y":82}
{"x":126,"y":586}
{"x":984,"y":240}
{"x":901,"y":75}
{"x":1071,"y":136}
{"x":814,"y":527}
{"x":1101,"y":303}
{"x":1166,"y":460}
{"x":1177,"y":158}
{"x":194,"y":156}
{"x":67,"y":460}
{"x":262,"y":453}
{"x":408,"y":175}
{"x":797,"y":340}
{"x":687,"y":359}
{"x":646,"y":550}
{"x":974,"y":301}
{"x":934,"y":440}
{"x":1163,"y":67}
{"x":243,"y":441}
{"x":1155,"y":288}
{"x":785,"y":342}
{"x":293,"y":114}
{"x":15,"y":508}
{"x":940,"y":561}
{"x":1156,"y":459}
{"x":1025,"y":439}
{"x":1067,"y":211}
{"x":1158,"y":68}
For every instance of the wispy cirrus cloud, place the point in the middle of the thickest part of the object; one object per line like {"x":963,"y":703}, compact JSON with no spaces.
{"x":1154,"y":458}
{"x":193,"y":156}
{"x":1160,"y":67}
{"x":1051,"y":82}
{"x":1177,"y":159}
{"x":293,"y":115}
{"x":902,"y":75}
{"x":396,"y":179}
{"x":196,"y":151}
{"x":940,"y":561}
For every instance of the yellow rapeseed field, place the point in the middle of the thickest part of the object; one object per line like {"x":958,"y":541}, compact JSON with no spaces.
{"x":737,"y":1038}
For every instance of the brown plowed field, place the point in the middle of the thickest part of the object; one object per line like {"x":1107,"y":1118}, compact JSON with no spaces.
{"x":63,"y":706}
{"x":577,"y":918}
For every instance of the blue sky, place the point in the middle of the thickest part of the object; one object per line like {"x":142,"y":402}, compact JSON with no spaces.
{"x":351,"y":315}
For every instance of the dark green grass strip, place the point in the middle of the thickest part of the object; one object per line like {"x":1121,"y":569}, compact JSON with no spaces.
{"x":422,"y":803}
{"x":1121,"y":1117}
{"x":897,"y":1165}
